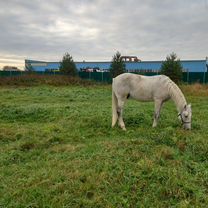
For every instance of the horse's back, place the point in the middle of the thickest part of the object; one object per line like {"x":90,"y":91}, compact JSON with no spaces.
{"x":140,"y":87}
{"x":136,"y":79}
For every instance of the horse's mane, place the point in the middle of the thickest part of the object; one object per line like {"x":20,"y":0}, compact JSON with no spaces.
{"x":176,"y":95}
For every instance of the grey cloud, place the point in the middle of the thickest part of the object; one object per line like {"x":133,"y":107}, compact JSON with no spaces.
{"x":96,"y":29}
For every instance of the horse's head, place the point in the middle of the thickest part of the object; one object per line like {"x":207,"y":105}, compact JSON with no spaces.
{"x":185,"y":117}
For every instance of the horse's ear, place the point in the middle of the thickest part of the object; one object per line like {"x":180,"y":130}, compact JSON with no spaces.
{"x":185,"y":107}
{"x":190,"y":107}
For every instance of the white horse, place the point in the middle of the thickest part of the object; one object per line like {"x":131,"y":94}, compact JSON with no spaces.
{"x":159,"y":89}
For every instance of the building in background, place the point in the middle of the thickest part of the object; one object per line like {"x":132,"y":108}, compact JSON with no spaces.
{"x":133,"y":64}
{"x":130,"y":59}
{"x":10,"y":68}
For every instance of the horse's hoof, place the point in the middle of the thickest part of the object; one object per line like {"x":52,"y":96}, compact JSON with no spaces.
{"x":123,"y":128}
{"x":154,"y":125}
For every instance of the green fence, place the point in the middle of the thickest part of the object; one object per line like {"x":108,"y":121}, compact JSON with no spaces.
{"x":97,"y":76}
{"x":191,"y":77}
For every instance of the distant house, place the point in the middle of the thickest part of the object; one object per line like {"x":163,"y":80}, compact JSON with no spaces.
{"x":10,"y":68}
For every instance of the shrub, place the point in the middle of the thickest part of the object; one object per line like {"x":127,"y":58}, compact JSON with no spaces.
{"x":172,"y":68}
{"x":117,"y":66}
{"x":67,"y":65}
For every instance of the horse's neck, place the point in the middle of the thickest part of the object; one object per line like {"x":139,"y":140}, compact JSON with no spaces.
{"x":177,"y":96}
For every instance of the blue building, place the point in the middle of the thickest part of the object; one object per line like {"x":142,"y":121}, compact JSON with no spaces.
{"x":131,"y":66}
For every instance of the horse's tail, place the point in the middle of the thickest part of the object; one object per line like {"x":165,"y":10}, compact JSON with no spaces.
{"x":114,"y":107}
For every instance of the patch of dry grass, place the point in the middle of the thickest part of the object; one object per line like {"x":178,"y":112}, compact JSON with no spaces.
{"x":36,"y":79}
{"x":196,"y":89}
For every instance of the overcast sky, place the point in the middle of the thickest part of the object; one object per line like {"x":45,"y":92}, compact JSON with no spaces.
{"x":93,"y":30}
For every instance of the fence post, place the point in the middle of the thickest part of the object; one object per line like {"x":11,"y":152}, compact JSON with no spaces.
{"x":204,"y":75}
{"x":102,"y":76}
{"x":187,"y":76}
{"x":206,"y":67}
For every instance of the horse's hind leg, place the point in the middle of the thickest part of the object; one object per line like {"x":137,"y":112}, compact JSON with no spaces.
{"x":158,"y":106}
{"x":121,"y":103}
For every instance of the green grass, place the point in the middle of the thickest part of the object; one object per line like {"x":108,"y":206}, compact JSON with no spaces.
{"x":57,"y":149}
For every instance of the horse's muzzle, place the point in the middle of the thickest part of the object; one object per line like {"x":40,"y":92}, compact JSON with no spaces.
{"x":187,"y":126}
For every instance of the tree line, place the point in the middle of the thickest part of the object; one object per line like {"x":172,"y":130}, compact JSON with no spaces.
{"x":171,"y":67}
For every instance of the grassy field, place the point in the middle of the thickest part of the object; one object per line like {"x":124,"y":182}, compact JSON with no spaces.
{"x":57,"y":149}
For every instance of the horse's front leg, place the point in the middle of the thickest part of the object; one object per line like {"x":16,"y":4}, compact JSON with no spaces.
{"x":120,"y":114}
{"x":158,"y":106}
